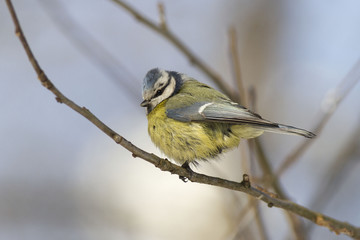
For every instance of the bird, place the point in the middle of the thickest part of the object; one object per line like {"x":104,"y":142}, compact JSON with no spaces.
{"x":190,"y":121}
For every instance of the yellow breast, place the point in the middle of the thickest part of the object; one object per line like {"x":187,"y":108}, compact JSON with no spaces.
{"x":189,"y":141}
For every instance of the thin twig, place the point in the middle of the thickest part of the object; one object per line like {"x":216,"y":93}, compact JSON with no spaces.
{"x":296,"y":224}
{"x":329,"y":105}
{"x":167,"y":34}
{"x":243,"y":99}
{"x":270,"y":178}
{"x":234,"y":53}
{"x":340,"y":169}
{"x":163,"y":164}
{"x":243,"y":220}
{"x":260,"y":223}
{"x":87,"y":44}
{"x":162,"y":23}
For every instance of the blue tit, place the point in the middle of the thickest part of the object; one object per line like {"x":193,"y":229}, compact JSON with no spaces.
{"x":190,"y":121}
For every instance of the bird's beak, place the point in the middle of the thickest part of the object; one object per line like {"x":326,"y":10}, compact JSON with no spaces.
{"x":145,"y":103}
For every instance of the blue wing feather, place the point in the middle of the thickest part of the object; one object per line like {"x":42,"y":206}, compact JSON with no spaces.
{"x":232,"y":113}
{"x":225,"y":112}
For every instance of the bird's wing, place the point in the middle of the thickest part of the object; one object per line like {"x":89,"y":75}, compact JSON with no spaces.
{"x":229,"y":112}
{"x":225,"y":112}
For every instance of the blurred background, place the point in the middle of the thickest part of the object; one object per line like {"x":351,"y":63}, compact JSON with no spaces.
{"x":62,"y":178}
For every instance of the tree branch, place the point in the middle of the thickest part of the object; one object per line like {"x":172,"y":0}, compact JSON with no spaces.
{"x":249,"y":102}
{"x":270,"y":178}
{"x":243,"y":100}
{"x":167,"y":34}
{"x":329,"y":105}
{"x":235,"y":59}
{"x":87,"y":44}
{"x":268,"y":174}
{"x":163,"y":164}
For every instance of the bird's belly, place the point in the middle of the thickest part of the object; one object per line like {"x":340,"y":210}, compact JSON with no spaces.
{"x":189,"y":141}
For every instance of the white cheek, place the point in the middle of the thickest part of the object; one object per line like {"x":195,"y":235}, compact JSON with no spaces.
{"x":157,"y":101}
{"x":168,"y":91}
{"x":166,"y":94}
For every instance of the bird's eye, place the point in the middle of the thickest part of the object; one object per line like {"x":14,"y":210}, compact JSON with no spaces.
{"x":159,"y":92}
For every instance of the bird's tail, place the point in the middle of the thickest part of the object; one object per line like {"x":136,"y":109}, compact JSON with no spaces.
{"x":284,"y":129}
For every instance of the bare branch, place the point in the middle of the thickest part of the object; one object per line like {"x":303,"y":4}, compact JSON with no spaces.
{"x":298,"y":228}
{"x":260,"y":222}
{"x":244,"y":220}
{"x":339,"y":170}
{"x":90,"y":47}
{"x":167,"y":34}
{"x":329,"y":105}
{"x":269,"y":177}
{"x":234,"y":52}
{"x":244,"y":145}
{"x":163,"y":164}
{"x":161,"y":8}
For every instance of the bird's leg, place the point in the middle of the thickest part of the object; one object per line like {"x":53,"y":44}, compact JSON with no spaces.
{"x":188,"y":168}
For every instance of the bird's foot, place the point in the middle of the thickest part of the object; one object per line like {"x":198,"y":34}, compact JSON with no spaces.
{"x":187,"y":167}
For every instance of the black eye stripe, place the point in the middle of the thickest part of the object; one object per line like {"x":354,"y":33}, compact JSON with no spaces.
{"x":161,"y":90}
